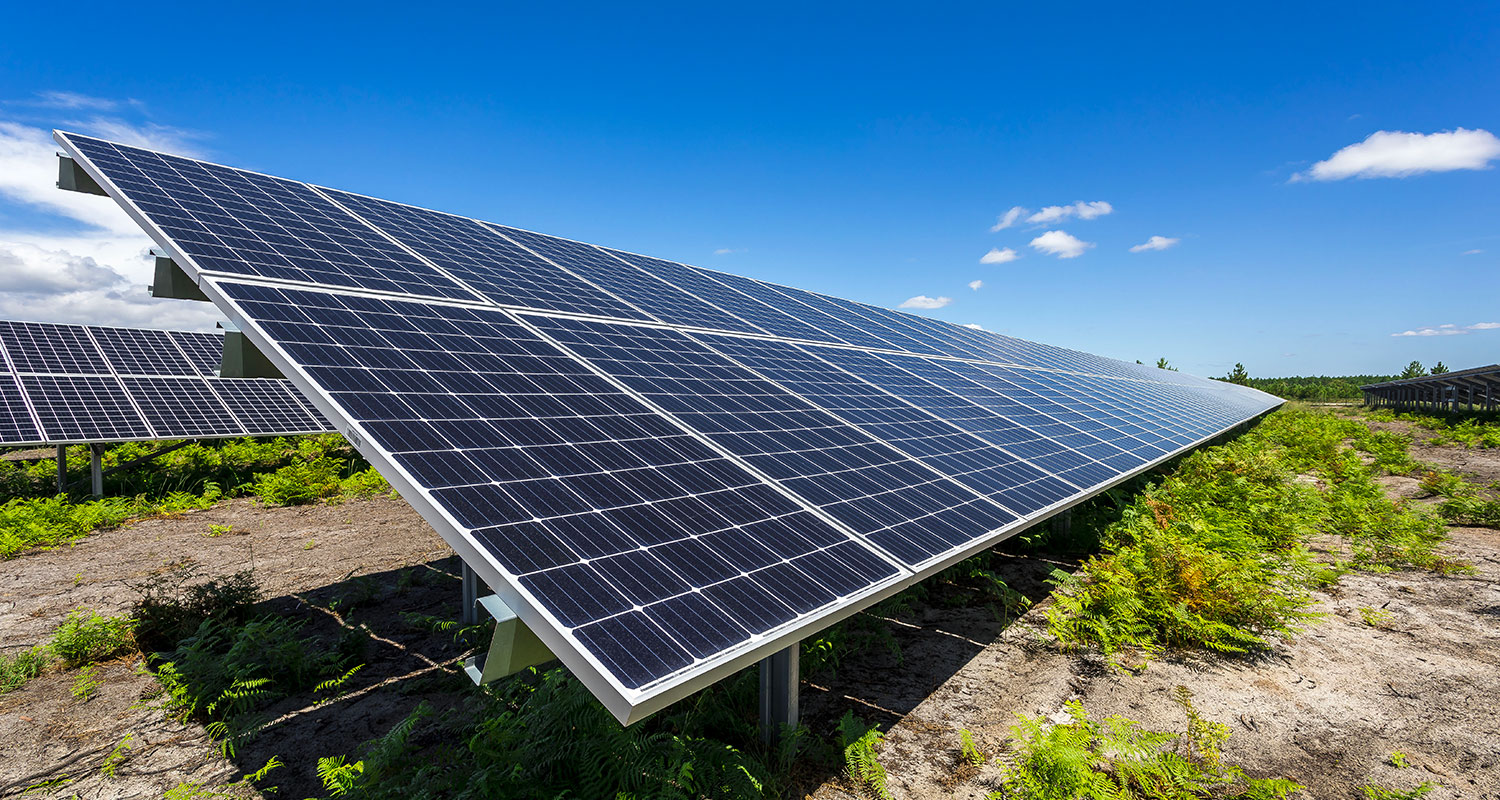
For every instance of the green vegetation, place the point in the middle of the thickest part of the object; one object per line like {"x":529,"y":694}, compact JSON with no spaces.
{"x":1471,"y":430}
{"x":84,"y":639}
{"x":1119,"y":760}
{"x":1373,"y":792}
{"x":278,"y":471}
{"x":861,"y":762}
{"x":1215,"y":555}
{"x":1317,"y":387}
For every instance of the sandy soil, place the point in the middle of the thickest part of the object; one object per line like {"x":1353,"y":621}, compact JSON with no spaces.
{"x":1326,"y":709}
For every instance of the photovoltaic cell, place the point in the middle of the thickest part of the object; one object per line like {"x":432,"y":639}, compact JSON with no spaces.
{"x":661,"y":300}
{"x":16,"y":424}
{"x":887,"y":497}
{"x":41,"y":347}
{"x":82,"y":409}
{"x":181,"y":408}
{"x":137,"y":351}
{"x":238,"y":222}
{"x":266,"y":407}
{"x":205,"y":351}
{"x":484,"y":260}
{"x":643,"y":543}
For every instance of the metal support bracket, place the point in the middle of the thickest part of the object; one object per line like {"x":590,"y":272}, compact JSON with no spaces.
{"x":96,"y":468}
{"x":513,"y":648}
{"x":780,"y":675}
{"x":171,"y":282}
{"x":62,"y":468}
{"x":72,"y":178}
{"x":242,"y":359}
{"x":468,"y":614}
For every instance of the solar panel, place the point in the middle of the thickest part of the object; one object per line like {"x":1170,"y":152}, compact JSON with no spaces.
{"x":667,"y":472}
{"x":65,"y":384}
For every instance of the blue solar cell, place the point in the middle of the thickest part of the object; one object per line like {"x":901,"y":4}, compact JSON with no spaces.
{"x":45,"y":348}
{"x":243,"y":223}
{"x":136,"y":351}
{"x":266,"y":407}
{"x":662,"y":300}
{"x":84,"y":409}
{"x":16,"y":425}
{"x":204,"y":350}
{"x":601,"y":509}
{"x":484,"y":260}
{"x":181,"y":408}
{"x":891,"y":499}
{"x":896,"y":419}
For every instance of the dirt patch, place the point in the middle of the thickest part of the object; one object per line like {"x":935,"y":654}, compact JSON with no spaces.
{"x":1479,"y":464}
{"x":304,"y":559}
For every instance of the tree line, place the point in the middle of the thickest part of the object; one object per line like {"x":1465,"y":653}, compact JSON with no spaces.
{"x":1324,"y":387}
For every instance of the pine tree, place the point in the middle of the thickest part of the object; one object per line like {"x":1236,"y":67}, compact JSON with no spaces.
{"x":1161,"y":363}
{"x":1414,"y":370}
{"x":1439,"y":368}
{"x":1238,"y":375}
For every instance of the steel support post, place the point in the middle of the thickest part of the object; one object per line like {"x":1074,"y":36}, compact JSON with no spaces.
{"x":779,"y":678}
{"x":62,"y":469}
{"x":1062,"y":524}
{"x":96,"y":468}
{"x":469,"y":614}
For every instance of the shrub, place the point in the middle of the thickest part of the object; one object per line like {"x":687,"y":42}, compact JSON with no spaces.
{"x":16,"y":670}
{"x":88,"y":638}
{"x":174,"y":603}
{"x":299,"y":483}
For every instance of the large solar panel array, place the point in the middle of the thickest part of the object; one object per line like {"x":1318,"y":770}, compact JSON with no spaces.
{"x":72,"y":384}
{"x":668,"y":472}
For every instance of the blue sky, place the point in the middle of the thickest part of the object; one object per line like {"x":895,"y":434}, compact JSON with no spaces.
{"x":865,"y":151}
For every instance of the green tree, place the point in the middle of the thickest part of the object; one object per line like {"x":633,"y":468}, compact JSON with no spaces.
{"x":1161,"y":363}
{"x":1414,"y":370}
{"x":1238,"y":375}
{"x":1439,"y":368}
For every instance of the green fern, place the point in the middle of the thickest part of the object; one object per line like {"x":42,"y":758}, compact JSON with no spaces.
{"x":860,"y":760}
{"x":968,"y":750}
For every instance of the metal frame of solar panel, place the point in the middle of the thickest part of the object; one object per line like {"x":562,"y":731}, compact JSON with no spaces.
{"x":667,"y":472}
{"x":88,"y":384}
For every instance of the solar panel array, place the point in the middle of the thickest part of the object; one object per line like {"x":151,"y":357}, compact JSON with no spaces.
{"x":70,"y":384}
{"x":666,"y":471}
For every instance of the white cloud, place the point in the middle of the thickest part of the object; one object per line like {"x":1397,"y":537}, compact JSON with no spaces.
{"x":1007,"y":219}
{"x":1061,"y":244}
{"x":1450,"y":329}
{"x":1397,"y":154}
{"x":999,"y":256}
{"x":726,"y":251}
{"x":74,"y":100}
{"x":1474,"y":252}
{"x":90,"y":264}
{"x":1081,"y":210}
{"x":976,"y":285}
{"x":976,"y":326}
{"x":1155,"y":243}
{"x":177,"y":141}
{"x":923,"y":301}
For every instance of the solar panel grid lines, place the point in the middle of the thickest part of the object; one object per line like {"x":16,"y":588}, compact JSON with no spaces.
{"x":205,"y":351}
{"x":140,"y":351}
{"x":220,"y":219}
{"x":20,"y":423}
{"x":887,"y":497}
{"x":994,"y":472}
{"x":473,"y":254}
{"x":831,"y":560}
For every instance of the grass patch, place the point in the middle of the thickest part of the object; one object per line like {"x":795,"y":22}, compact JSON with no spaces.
{"x":1119,"y":759}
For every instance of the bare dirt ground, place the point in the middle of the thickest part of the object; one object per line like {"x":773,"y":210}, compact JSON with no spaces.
{"x":1326,"y":709}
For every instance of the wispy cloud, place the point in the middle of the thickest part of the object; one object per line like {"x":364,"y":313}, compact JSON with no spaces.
{"x":976,"y":326}
{"x":1474,"y":252}
{"x":1154,"y":243}
{"x":1061,"y":244}
{"x":1081,"y":210}
{"x":725,"y":251}
{"x":1007,"y":219}
{"x":997,"y":255}
{"x":150,"y":135}
{"x":1450,"y":329}
{"x":74,"y":100}
{"x":1398,"y":154}
{"x":925,"y":302}
{"x":976,"y":285}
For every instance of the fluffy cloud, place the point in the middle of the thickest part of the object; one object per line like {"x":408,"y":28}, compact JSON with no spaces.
{"x":1155,"y":243}
{"x":976,"y":285}
{"x":923,"y":301}
{"x":999,"y":256}
{"x":976,"y":326}
{"x":1397,"y":154}
{"x":1007,"y":219}
{"x":1081,"y":210}
{"x":1450,"y":329}
{"x":90,"y":263}
{"x":1061,"y":244}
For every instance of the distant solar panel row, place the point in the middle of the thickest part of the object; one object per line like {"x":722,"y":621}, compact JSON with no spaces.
{"x":666,"y":471}
{"x":68,"y":384}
